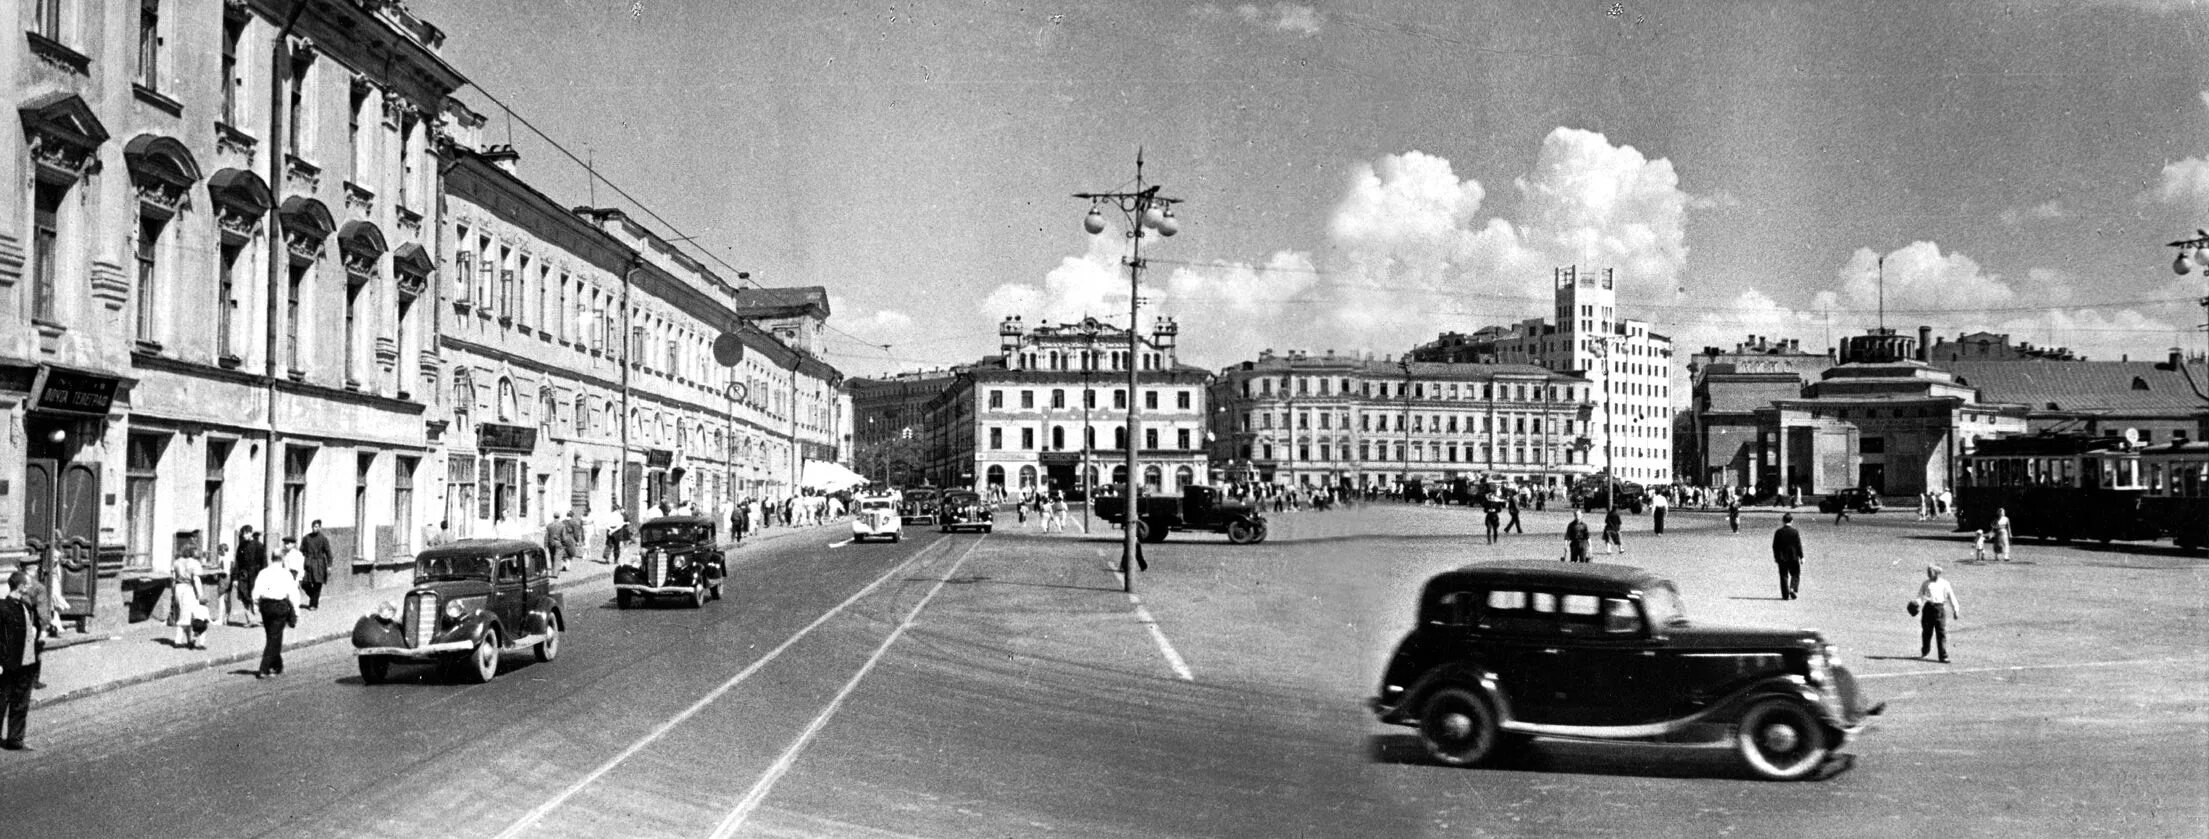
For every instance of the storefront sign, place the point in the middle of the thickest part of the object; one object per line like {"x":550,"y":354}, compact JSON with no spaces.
{"x":71,"y":392}
{"x":658,"y":458}
{"x":491,"y":436}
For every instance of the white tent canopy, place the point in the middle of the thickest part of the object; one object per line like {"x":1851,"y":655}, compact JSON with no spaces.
{"x":829,"y":477}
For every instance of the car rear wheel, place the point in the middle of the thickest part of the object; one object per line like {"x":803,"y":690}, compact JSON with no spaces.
{"x":483,"y":661}
{"x":1460,"y":728}
{"x":1781,"y":740}
{"x":373,"y":669}
{"x":549,"y":648}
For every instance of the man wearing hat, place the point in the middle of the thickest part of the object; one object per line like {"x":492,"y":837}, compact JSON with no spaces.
{"x":19,"y":665}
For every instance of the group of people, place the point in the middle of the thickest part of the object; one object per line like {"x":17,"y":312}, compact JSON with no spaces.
{"x":1048,"y":508}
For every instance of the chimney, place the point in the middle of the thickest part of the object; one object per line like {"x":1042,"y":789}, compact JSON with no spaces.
{"x":2177,"y":358}
{"x":1925,"y":344}
{"x":503,"y":157}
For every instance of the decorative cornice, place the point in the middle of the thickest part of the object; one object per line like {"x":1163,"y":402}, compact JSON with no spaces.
{"x":410,"y":286}
{"x":359,"y":200}
{"x":305,"y":246}
{"x":58,"y":159}
{"x":58,"y":55}
{"x":160,"y":198}
{"x":238,"y":226}
{"x":300,"y":175}
{"x":408,"y":218}
{"x":229,"y":139}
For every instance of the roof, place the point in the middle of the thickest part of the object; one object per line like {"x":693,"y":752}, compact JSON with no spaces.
{"x":480,"y":546}
{"x":772,"y":302}
{"x":679,"y":520}
{"x":1595,"y":575}
{"x":2084,"y":385}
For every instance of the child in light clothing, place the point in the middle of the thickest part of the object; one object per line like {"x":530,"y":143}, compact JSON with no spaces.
{"x":1979,"y":547}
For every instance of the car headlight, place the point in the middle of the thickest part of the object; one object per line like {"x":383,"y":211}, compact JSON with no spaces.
{"x":461,"y":607}
{"x":682,"y":562}
{"x":387,"y":611}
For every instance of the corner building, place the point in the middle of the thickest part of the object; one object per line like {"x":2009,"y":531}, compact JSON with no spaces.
{"x":213,"y":269}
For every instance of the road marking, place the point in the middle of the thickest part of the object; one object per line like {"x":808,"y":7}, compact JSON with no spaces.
{"x":839,"y":544}
{"x":530,"y":819}
{"x":2013,"y":668}
{"x":1166,"y":648}
{"x":789,"y":757}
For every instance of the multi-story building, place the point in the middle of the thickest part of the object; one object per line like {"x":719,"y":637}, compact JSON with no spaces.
{"x":1630,"y":366}
{"x":545,"y":389}
{"x":213,"y":271}
{"x":1050,"y":411}
{"x":1351,"y":421}
{"x":1718,"y":448}
{"x":889,"y":422}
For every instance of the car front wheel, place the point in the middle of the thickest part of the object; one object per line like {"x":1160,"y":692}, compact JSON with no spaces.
{"x":483,"y":661}
{"x":1460,"y":728}
{"x":1781,"y":740}
{"x":373,"y":669}
{"x":1242,"y":532}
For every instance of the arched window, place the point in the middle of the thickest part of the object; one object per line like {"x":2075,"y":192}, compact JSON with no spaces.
{"x":464,"y":398}
{"x":1120,"y":437}
{"x":1058,"y":438}
{"x":550,"y":408}
{"x":1120,"y":475}
{"x":1150,"y":478}
{"x":1027,"y":477}
{"x":996,"y":477}
{"x":1184,"y":476}
{"x":507,"y":406}
{"x":582,"y":414}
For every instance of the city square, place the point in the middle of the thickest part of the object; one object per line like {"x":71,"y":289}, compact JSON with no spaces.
{"x":1169,"y":418}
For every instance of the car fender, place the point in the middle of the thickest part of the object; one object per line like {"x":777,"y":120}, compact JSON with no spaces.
{"x":1789,"y":686}
{"x":373,"y":631}
{"x":1457,"y":673}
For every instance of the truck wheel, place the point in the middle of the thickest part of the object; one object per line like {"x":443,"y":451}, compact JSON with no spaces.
{"x":373,"y":669}
{"x":1149,"y":532}
{"x":1242,"y":532}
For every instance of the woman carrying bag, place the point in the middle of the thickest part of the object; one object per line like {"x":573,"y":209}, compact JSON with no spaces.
{"x":190,"y":605}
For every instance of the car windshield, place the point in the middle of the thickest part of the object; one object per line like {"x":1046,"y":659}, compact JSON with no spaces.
{"x":685,"y":532}
{"x":451,"y":567}
{"x":874,"y":505}
{"x":1663,"y":604}
{"x":962,"y":499}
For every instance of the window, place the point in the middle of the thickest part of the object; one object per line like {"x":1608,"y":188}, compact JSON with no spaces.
{"x":1181,"y":441}
{"x":293,"y":291}
{"x":1088,"y":398}
{"x":141,"y":469}
{"x":1058,"y":398}
{"x":233,"y":31}
{"x":1119,"y":399}
{"x":353,"y":372}
{"x":1181,"y":399}
{"x":356,"y":110}
{"x":997,"y":438}
{"x":149,"y":44}
{"x":46,"y":18}
{"x":297,"y":107}
{"x":1027,"y":437}
{"x":226,"y":301}
{"x":409,"y":125}
{"x":1150,"y":400}
{"x":149,"y":250}
{"x":1027,"y":399}
{"x":296,"y":461}
{"x":996,"y":399}
{"x":45,"y":250}
{"x":1150,"y":438}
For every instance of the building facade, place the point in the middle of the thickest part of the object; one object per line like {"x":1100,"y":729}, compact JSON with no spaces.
{"x":213,"y":274}
{"x":1049,"y":413}
{"x":1354,"y":422}
{"x":1630,"y":366}
{"x":1718,"y":446}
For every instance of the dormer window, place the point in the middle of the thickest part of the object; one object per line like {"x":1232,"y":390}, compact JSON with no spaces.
{"x":2139,"y":383}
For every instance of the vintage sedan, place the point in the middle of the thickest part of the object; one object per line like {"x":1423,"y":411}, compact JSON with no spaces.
{"x":962,"y":509}
{"x":877,"y":517}
{"x":1507,"y":651}
{"x":472,"y":601}
{"x":678,"y":556}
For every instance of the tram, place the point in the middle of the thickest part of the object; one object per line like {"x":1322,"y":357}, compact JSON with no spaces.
{"x":2055,"y":486}
{"x":2068,"y":486}
{"x":2177,"y":475}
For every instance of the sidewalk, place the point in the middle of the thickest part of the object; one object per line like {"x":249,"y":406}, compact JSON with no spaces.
{"x":142,"y":652}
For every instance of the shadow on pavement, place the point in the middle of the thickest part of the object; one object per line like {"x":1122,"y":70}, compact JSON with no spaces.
{"x":1642,"y":760}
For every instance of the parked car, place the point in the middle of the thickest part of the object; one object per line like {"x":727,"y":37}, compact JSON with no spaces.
{"x":1198,"y":507}
{"x":472,"y":601}
{"x":1507,"y":651}
{"x":1593,"y":494}
{"x":877,"y":517}
{"x":960,"y":509}
{"x":677,"y":556}
{"x":918,"y":505}
{"x":1854,"y":499}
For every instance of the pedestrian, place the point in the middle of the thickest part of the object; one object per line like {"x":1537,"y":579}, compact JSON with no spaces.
{"x":316,"y":548}
{"x":294,"y":560}
{"x":1925,"y":505}
{"x":34,"y":591}
{"x":276,"y":593}
{"x":19,"y":664}
{"x":1512,"y":506}
{"x":1733,"y":513}
{"x":1657,"y":503}
{"x":2001,"y":534}
{"x":1020,"y":511}
{"x":1576,"y":539}
{"x":1493,"y":521}
{"x":1841,"y":510}
{"x":1979,"y":545}
{"x":1611,"y":524}
{"x":1787,"y":554}
{"x":1058,"y":511}
{"x":1935,"y":606}
{"x":187,"y":599}
{"x":576,"y":536}
{"x":245,"y":570}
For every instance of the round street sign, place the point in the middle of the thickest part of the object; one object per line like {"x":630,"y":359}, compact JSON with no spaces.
{"x":728,"y":349}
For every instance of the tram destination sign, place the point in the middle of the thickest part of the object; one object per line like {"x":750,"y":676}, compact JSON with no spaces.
{"x":71,"y":392}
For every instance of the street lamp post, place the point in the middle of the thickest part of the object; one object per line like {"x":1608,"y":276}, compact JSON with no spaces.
{"x":1142,"y":209}
{"x":1610,"y":474}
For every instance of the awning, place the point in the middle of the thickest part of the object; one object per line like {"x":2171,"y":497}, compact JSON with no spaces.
{"x":829,"y":477}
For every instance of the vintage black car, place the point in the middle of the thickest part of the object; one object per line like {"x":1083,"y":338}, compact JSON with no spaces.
{"x":918,"y":505}
{"x":472,"y":601}
{"x":961,"y":509}
{"x":1198,"y":507}
{"x":1853,"y":499}
{"x":1507,"y":651}
{"x":678,"y":556}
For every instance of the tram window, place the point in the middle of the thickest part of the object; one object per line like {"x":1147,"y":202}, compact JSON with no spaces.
{"x":2155,"y":478}
{"x":2128,"y":474}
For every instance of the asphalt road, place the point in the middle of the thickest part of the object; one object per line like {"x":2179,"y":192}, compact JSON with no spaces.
{"x":1003,"y":685}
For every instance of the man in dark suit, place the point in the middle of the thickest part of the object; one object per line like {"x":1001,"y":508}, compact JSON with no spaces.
{"x":316,"y":547}
{"x":19,"y":643}
{"x":1787,"y":553}
{"x":252,"y":557}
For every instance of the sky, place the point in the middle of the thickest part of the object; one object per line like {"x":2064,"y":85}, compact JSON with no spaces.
{"x":1362,"y":176}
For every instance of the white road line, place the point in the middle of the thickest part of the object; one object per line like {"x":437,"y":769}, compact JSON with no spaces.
{"x":1166,"y":648}
{"x":2013,"y":668}
{"x":766,"y":783}
{"x":839,"y":544}
{"x":530,"y":819}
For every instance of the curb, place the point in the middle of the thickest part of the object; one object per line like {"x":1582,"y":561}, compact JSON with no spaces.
{"x":302,"y":642}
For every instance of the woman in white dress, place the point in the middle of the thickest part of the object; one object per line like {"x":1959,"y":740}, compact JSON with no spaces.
{"x":184,"y":587}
